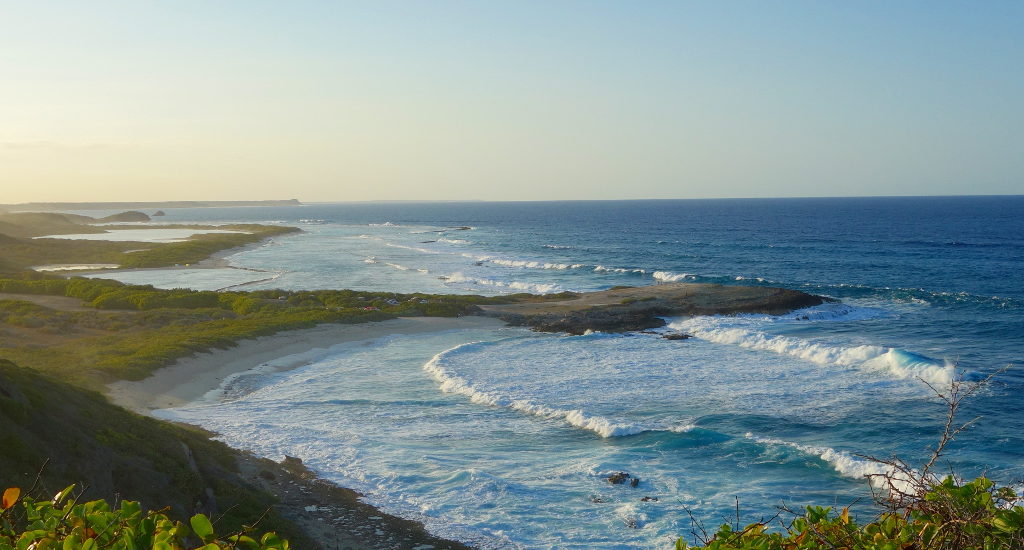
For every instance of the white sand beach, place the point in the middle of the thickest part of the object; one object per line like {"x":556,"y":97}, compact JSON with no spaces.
{"x":191,"y":378}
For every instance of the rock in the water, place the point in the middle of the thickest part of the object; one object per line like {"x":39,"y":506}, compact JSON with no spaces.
{"x":618,"y":478}
{"x":159,"y":213}
{"x":634,"y":482}
{"x":677,"y":336}
{"x":649,"y":499}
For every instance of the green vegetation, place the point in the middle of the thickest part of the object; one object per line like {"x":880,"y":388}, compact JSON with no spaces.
{"x":949,"y":516}
{"x":63,"y":523}
{"x":20,"y":250}
{"x":137,"y":329}
{"x":80,"y":437}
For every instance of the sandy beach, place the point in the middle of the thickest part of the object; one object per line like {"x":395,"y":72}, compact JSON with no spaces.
{"x":332,"y":516}
{"x":190,"y":378}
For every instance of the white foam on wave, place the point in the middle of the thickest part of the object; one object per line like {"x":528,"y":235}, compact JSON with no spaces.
{"x":846,"y":464}
{"x":670,"y":277}
{"x":895,"y":362}
{"x":536,"y":288}
{"x":557,"y":246}
{"x":606,"y":269}
{"x":385,"y":224}
{"x":530,"y":264}
{"x":452,"y":383}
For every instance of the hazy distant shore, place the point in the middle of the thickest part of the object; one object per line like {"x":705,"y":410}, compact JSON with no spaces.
{"x":59,"y":206}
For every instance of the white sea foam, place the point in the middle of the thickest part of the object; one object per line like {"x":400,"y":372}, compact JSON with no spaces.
{"x":385,"y":224}
{"x":606,"y":269}
{"x":896,"y":362}
{"x":846,"y":464}
{"x":530,"y":264}
{"x":670,"y":277}
{"x":536,"y":288}
{"x":452,"y":383}
{"x":557,"y":246}
{"x":452,"y":241}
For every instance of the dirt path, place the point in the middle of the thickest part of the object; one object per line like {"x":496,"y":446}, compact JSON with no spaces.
{"x":60,"y":303}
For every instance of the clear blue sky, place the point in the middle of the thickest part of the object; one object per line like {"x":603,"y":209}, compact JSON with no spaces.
{"x":509,"y":101}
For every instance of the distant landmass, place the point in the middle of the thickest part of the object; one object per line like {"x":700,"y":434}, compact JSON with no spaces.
{"x":56,"y":206}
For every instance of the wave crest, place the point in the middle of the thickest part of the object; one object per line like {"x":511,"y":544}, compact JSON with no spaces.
{"x":452,"y":383}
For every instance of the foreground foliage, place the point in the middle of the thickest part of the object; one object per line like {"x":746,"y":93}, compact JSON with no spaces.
{"x":951,"y":516}
{"x":63,"y":523}
{"x":76,"y":436}
{"x":921,"y":510}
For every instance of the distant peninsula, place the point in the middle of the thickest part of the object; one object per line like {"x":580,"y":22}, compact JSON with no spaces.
{"x":58,"y":206}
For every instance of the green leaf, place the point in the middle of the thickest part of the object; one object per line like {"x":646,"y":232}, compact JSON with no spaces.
{"x":60,"y":496}
{"x":202,"y":527}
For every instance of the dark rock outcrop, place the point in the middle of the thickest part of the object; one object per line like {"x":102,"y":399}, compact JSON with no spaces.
{"x":618,"y":478}
{"x":639,"y":308}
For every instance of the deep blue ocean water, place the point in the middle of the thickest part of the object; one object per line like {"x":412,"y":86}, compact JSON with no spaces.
{"x":504,"y":437}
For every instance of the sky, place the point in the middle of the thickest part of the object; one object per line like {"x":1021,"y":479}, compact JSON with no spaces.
{"x":516,"y":100}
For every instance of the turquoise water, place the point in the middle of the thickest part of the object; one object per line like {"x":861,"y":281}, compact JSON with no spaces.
{"x":505,"y":437}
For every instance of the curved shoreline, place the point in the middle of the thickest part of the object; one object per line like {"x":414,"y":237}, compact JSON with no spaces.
{"x":190,"y":378}
{"x":332,"y":515}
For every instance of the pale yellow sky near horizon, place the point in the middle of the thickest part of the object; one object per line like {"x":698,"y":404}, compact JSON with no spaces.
{"x":518,"y":101}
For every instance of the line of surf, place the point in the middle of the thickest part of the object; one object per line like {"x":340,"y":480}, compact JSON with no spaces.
{"x":451,"y":382}
{"x":892,"y":361}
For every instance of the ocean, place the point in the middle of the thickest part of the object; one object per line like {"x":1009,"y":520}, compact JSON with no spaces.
{"x":504,"y":438}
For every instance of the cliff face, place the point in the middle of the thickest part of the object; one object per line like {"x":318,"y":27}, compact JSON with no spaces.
{"x":639,"y":308}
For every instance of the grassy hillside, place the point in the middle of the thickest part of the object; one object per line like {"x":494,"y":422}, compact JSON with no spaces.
{"x":134,"y":330}
{"x":115,"y":454}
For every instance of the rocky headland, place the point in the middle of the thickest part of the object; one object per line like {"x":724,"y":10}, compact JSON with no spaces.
{"x":639,"y":308}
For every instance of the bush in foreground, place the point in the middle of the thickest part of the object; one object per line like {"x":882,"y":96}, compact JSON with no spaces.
{"x":63,"y":523}
{"x":951,"y":516}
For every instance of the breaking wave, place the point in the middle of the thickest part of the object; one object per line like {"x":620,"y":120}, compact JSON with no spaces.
{"x":536,"y":288}
{"x":670,"y":277}
{"x":846,"y":464}
{"x":604,"y":427}
{"x":895,"y":362}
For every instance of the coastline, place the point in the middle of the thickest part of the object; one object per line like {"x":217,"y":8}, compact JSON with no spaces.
{"x":190,"y":378}
{"x":331,"y":515}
